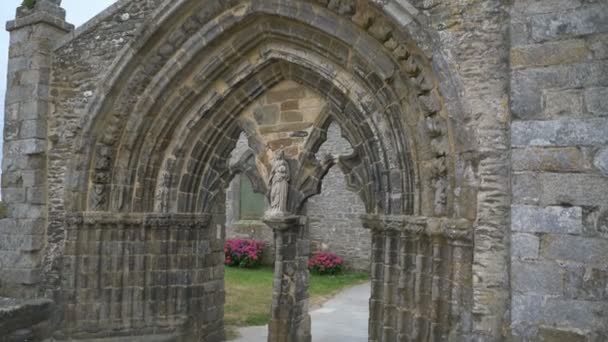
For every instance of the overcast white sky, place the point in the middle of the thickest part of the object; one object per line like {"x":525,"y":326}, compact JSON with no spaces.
{"x":78,"y":12}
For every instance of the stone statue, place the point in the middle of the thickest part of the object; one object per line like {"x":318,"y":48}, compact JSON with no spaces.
{"x":278,"y":184}
{"x":98,"y":197}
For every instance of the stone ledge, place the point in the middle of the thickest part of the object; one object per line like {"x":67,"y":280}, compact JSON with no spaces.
{"x":151,"y":220}
{"x":453,"y":229}
{"x":18,"y":316}
{"x":39,"y":18}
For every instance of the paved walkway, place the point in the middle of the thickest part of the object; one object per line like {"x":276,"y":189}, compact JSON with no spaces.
{"x":341,"y":319}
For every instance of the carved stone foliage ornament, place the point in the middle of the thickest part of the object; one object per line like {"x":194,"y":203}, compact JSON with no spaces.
{"x":278,"y":183}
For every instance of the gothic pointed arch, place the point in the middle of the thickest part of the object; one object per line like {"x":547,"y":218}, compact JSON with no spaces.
{"x":150,"y":152}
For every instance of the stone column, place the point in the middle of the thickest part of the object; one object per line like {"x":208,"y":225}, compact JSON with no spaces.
{"x":33,"y":34}
{"x":290,"y":321}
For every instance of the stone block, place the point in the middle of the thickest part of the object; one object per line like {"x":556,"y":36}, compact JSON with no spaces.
{"x":585,"y":283}
{"x":11,"y":131}
{"x":562,"y":103}
{"x":528,"y":8}
{"x":277,"y":96}
{"x":14,"y":195}
{"x":520,"y":32}
{"x":290,"y":105}
{"x":596,"y":101}
{"x":558,"y":335}
{"x":33,"y":109}
{"x":527,"y":84}
{"x":600,"y":161}
{"x":292,"y":116}
{"x":563,"y":132}
{"x":21,"y":243}
{"x":28,"y":146}
{"x":17,"y":260}
{"x":555,"y":220}
{"x":578,"y":314}
{"x":590,"y":251}
{"x":21,"y":276}
{"x":550,"y":159}
{"x":526,"y":188}
{"x":33,"y":129}
{"x":551,"y":53}
{"x":525,"y":308}
{"x":598,"y":44}
{"x":596,"y":222}
{"x":266,"y":115}
{"x":27,"y":227}
{"x":288,"y":127}
{"x":573,"y":189}
{"x":26,"y":211}
{"x":564,"y":24}
{"x":538,"y":277}
{"x":525,"y":246}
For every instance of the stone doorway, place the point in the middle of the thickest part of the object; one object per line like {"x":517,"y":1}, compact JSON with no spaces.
{"x":293,"y":120}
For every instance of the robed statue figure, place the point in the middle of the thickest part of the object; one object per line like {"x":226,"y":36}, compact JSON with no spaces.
{"x":278,"y":184}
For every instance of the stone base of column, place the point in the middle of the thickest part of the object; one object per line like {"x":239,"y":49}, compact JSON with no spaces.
{"x":290,"y":321}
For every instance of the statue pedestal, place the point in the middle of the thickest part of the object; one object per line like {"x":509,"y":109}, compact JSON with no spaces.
{"x":290,"y":321}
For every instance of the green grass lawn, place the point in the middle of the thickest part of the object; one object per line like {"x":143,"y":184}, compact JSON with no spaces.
{"x":249,"y":293}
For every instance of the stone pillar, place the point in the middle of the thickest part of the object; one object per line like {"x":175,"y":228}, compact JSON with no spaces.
{"x":376,"y":301}
{"x":33,"y":34}
{"x":290,"y":321}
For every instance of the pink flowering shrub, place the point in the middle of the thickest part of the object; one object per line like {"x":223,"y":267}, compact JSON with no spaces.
{"x":243,"y":253}
{"x":325,"y":263}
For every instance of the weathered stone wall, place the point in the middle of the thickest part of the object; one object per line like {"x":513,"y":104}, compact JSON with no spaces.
{"x":143,"y":274}
{"x":559,"y":92}
{"x":424,"y":267}
{"x":335,"y":214}
{"x":24,"y":167}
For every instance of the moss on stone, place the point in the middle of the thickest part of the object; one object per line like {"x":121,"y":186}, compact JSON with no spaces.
{"x":29,"y":3}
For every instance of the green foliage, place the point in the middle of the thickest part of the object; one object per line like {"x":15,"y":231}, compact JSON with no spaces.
{"x":325,"y":263}
{"x":29,"y":3}
{"x":2,"y":210}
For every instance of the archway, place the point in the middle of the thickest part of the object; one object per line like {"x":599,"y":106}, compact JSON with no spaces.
{"x":152,"y":157}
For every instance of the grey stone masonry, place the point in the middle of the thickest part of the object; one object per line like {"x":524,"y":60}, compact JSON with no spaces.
{"x":32,"y":36}
{"x":559,"y":88}
{"x":289,"y":318}
{"x":557,"y":220}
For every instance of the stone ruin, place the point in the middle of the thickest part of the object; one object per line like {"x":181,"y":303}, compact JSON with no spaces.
{"x":478,"y":134}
